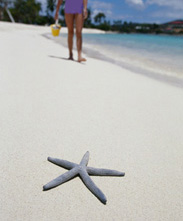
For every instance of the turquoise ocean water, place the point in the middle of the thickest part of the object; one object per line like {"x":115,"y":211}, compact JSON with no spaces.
{"x":158,"y":53}
{"x":161,"y":55}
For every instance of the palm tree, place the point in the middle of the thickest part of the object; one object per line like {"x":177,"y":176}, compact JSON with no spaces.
{"x":4,"y":4}
{"x":50,"y":7}
{"x":99,"y":18}
{"x":26,"y":11}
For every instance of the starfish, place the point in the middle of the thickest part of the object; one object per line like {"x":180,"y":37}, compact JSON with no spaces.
{"x":83,"y":171}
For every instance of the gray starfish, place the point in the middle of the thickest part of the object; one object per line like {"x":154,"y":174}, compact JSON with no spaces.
{"x":83,"y":171}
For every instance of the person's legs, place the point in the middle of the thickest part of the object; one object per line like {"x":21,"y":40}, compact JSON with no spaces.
{"x":69,"y":18}
{"x":79,"y":25}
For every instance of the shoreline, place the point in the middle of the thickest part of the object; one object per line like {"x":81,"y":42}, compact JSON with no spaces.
{"x":92,"y":53}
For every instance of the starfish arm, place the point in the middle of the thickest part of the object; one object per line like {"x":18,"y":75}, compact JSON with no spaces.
{"x":103,"y":172}
{"x":61,"y":179}
{"x":92,"y":187}
{"x":85,"y":159}
{"x":62,"y":163}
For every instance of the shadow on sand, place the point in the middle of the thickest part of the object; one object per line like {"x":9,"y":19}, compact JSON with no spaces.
{"x":66,"y":59}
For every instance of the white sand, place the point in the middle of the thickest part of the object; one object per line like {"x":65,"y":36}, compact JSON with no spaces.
{"x":53,"y":107}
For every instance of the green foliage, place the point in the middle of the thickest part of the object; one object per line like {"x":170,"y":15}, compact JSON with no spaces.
{"x":88,"y":21}
{"x":99,"y":18}
{"x":130,"y":27}
{"x":51,"y":5}
{"x":26,"y":11}
{"x":117,"y":26}
{"x":105,"y":26}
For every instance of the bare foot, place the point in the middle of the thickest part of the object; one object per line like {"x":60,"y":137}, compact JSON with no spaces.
{"x":81,"y":59}
{"x":71,"y":58}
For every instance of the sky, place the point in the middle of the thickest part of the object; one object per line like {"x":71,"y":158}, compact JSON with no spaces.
{"x":151,"y":11}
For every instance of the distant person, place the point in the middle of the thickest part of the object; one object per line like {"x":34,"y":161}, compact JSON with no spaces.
{"x":75,"y":11}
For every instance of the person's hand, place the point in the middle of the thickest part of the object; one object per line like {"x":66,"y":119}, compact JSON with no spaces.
{"x":85,"y":13}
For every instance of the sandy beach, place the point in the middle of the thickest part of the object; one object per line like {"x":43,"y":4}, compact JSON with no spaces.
{"x":50,"y":106}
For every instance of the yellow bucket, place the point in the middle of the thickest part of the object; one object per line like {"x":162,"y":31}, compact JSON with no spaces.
{"x":55,"y":29}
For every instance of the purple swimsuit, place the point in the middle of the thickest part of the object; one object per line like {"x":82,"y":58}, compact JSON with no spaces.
{"x":74,"y":6}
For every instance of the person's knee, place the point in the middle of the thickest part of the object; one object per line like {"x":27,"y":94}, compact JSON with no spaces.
{"x":78,"y":33}
{"x":71,"y":32}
